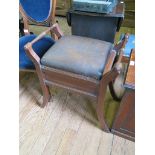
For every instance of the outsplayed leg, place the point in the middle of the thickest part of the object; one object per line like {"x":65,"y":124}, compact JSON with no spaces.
{"x":100,"y":108}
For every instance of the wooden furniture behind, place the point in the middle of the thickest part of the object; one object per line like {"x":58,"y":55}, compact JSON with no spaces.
{"x":96,"y":25}
{"x":62,"y":7}
{"x":45,"y":15}
{"x":129,"y":20}
{"x":47,"y":22}
{"x":124,"y":124}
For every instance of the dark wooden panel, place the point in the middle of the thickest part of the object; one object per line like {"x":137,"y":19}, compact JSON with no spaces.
{"x":73,"y":81}
{"x":124,"y":124}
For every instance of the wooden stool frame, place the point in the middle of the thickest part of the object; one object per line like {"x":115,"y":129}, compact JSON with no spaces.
{"x":74,"y":82}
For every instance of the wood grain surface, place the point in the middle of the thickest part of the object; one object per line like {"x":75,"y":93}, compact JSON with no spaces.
{"x":68,"y":125}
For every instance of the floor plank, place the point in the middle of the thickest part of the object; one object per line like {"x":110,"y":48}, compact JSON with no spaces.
{"x":118,"y":146}
{"x":105,"y":144}
{"x":49,"y":126}
{"x":66,"y":126}
{"x":129,"y":148}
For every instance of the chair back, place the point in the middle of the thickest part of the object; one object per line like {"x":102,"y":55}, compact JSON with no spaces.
{"x":40,"y":11}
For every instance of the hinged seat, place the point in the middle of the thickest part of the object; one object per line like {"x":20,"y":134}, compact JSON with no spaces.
{"x":80,"y":55}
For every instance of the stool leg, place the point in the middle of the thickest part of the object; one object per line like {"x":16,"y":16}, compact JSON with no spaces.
{"x":36,"y":60}
{"x":100,"y":108}
{"x":44,"y":87}
{"x":46,"y":95}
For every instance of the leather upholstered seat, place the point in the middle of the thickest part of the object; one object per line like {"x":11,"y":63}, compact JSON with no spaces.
{"x":79,"y":55}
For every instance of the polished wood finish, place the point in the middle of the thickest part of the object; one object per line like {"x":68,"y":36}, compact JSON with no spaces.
{"x":71,"y":81}
{"x":78,"y":83}
{"x":124,"y":124}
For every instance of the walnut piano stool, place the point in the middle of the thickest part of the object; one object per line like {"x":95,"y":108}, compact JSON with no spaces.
{"x":75,"y":53}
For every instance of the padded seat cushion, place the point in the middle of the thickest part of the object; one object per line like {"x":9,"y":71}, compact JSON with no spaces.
{"x":39,"y":47}
{"x":80,"y":55}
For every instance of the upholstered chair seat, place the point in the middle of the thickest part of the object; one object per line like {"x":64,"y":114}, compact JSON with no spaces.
{"x":79,"y":55}
{"x":40,"y":47}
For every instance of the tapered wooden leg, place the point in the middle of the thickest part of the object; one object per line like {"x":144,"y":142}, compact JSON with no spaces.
{"x":44,"y":87}
{"x":106,"y":79}
{"x":46,"y":96}
{"x":36,"y":60}
{"x":100,"y":108}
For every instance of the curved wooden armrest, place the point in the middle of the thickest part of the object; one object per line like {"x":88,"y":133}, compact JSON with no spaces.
{"x":28,"y":47}
{"x":119,"y":48}
{"x":121,"y":44}
{"x":110,"y":62}
{"x":54,"y":28}
{"x":119,"y":60}
{"x":32,"y":54}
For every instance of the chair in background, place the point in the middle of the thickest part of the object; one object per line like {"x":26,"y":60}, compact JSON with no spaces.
{"x":40,"y":12}
{"x":79,"y":64}
{"x":116,"y":87}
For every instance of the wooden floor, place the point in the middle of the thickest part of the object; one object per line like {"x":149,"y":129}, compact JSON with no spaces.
{"x":66,"y":126}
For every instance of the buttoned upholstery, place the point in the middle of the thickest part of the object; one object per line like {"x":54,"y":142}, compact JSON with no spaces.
{"x":80,"y":55}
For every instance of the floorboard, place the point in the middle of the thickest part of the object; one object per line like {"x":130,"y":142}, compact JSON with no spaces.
{"x":66,"y":126}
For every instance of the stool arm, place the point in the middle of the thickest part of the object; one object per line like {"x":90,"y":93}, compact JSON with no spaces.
{"x":119,"y":60}
{"x":110,"y":62}
{"x":54,"y":28}
{"x":28,"y":47}
{"x":119,"y":48}
{"x":32,"y":54}
{"x":121,"y":44}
